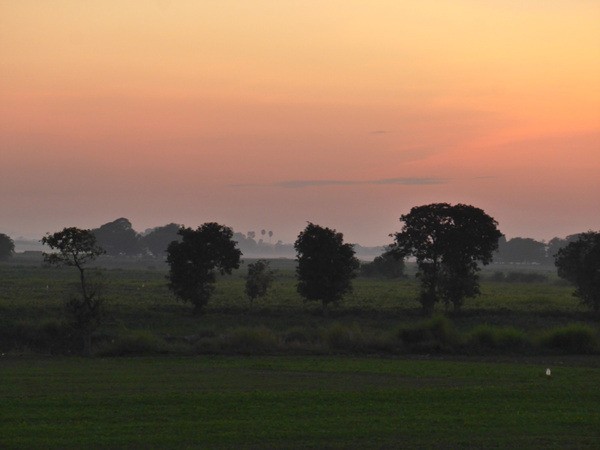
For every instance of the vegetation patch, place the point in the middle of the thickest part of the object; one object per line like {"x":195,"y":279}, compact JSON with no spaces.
{"x":487,"y":338}
{"x":571,"y":339}
{"x":132,"y":343}
{"x":436,"y":335}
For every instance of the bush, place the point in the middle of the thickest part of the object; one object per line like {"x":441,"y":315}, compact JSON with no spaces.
{"x":504,"y":339}
{"x":434,"y":335}
{"x":250,"y":340}
{"x":574,"y":338}
{"x":526,"y":277}
{"x":297,"y":336}
{"x":343,"y":337}
{"x":50,"y":335}
{"x":498,"y":276}
{"x":139,"y":342}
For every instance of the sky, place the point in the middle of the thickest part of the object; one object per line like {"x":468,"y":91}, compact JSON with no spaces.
{"x":268,"y":114}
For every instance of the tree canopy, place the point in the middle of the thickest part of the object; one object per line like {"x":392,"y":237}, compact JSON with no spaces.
{"x":387,"y":265}
{"x":579,"y":263}
{"x":119,"y":238}
{"x":7,"y":247}
{"x":195,"y":260}
{"x":448,"y":242}
{"x":326,"y":266}
{"x":522,"y":250}
{"x":158,"y":239}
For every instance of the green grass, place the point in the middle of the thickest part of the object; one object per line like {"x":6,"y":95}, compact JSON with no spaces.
{"x":142,"y":314}
{"x":289,"y":401}
{"x":137,"y":300}
{"x":295,"y":402}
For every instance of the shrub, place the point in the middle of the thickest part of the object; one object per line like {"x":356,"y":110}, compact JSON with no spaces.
{"x":343,"y":337}
{"x":250,"y":340}
{"x":138,"y":342}
{"x":505,"y":339}
{"x":573,"y":338}
{"x":297,"y":336}
{"x":49,"y":335}
{"x":498,"y":276}
{"x":525,"y":277}
{"x":434,"y":335}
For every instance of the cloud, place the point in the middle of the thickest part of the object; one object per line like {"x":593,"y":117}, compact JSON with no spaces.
{"x":297,"y":184}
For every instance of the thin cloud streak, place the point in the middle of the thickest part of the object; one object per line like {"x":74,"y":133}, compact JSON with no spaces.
{"x":298,"y":184}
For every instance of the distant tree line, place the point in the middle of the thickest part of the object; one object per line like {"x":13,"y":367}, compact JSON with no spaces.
{"x":521,"y":250}
{"x":7,"y":247}
{"x":448,"y":242}
{"x":118,"y":238}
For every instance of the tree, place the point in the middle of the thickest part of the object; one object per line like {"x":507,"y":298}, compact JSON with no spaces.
{"x":579,"y":263}
{"x":76,"y":248}
{"x":522,"y":250}
{"x":387,"y":265}
{"x":195,"y":260}
{"x":7,"y":247}
{"x":118,"y":238}
{"x":326,"y":266}
{"x":447,"y":242}
{"x":556,"y":243}
{"x":258,"y":280}
{"x":158,"y":239}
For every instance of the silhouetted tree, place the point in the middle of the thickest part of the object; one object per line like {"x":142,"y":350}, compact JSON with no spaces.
{"x":326,"y":266}
{"x":7,"y":247}
{"x":387,"y":265}
{"x":118,"y":238}
{"x":246,"y":244}
{"x":556,"y":243}
{"x":259,"y":279}
{"x":522,"y":250}
{"x":76,"y":248}
{"x":196,"y":258}
{"x":579,"y":263}
{"x":157,"y":241}
{"x":447,"y":242}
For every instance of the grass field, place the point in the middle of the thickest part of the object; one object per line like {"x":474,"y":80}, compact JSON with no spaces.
{"x":142,"y":316}
{"x":346,"y":380}
{"x":296,"y":402}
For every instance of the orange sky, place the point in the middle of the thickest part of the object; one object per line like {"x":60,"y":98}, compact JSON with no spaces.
{"x":268,"y":114}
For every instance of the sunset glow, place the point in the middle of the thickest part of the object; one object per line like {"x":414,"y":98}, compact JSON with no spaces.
{"x":268,"y":114}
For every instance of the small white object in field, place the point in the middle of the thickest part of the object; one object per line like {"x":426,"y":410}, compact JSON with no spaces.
{"x":548,"y":373}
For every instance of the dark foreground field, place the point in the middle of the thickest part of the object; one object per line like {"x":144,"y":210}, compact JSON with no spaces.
{"x":297,"y":402}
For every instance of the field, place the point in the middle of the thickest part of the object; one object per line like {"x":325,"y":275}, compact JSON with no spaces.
{"x":296,"y":402}
{"x":280,"y":374}
{"x":142,"y":317}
